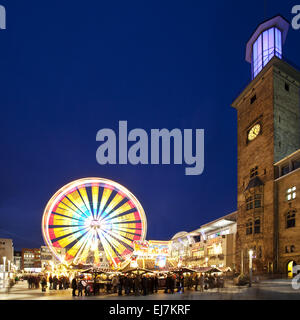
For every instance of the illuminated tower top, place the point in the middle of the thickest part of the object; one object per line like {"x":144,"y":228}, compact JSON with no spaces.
{"x":265,"y":43}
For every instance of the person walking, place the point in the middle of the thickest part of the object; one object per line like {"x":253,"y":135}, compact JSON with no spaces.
{"x":44,"y":284}
{"x":155,"y":283}
{"x":55,"y":282}
{"x":74,"y":287}
{"x":201,"y":282}
{"x":196,"y":282}
{"x":120,"y":285}
{"x":80,"y":288}
{"x":50,"y":282}
{"x":115,"y":282}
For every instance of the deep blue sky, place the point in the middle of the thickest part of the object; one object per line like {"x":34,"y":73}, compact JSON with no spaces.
{"x":70,"y":68}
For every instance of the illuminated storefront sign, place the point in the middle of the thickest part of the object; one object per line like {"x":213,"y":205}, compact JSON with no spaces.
{"x":151,"y":248}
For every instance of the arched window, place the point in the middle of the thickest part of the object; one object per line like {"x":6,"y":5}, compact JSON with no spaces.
{"x":291,"y":219}
{"x":257,"y":225}
{"x":249,"y":227}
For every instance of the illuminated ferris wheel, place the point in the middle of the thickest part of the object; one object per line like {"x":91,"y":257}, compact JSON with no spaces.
{"x":91,"y":216}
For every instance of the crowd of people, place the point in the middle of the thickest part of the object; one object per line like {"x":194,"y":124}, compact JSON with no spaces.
{"x":55,"y":283}
{"x":137,"y":284}
{"x":148,"y":284}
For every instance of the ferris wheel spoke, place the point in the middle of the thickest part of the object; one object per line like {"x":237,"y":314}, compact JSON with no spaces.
{"x":105,"y":196}
{"x":112,"y":204}
{"x":85,"y":200}
{"x":66,"y":235}
{"x":66,"y":217}
{"x":80,"y":247}
{"x":66,"y":199}
{"x":110,"y":251}
{"x":122,"y":214}
{"x":121,"y":210}
{"x":66,"y":209}
{"x":118,"y":240}
{"x":82,"y":201}
{"x":95,"y":196}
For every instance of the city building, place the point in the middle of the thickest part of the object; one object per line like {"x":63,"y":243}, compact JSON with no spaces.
{"x":18,"y":260}
{"x":46,"y":257}
{"x":268,"y":155}
{"x":31,"y":260}
{"x":212,"y":245}
{"x":6,"y":250}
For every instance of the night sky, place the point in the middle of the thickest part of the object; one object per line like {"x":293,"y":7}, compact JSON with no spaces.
{"x":71,"y":68}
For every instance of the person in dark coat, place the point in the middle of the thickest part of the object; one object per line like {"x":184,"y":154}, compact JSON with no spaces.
{"x":51,"y":282}
{"x":44,"y":284}
{"x":74,"y":287}
{"x":155,"y":283}
{"x":55,"y":282}
{"x":80,"y":287}
{"x":120,"y":285}
{"x":144,"y":285}
{"x":127,"y":285}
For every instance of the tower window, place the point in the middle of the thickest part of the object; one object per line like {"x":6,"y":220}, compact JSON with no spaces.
{"x":259,"y":255}
{"x":254,"y":172}
{"x":267,"y":45}
{"x":249,"y":227}
{"x":253,"y":99}
{"x":257,"y":226}
{"x":291,"y":219}
{"x":285,"y":170}
{"x":291,"y":193}
{"x":257,"y":201}
{"x":296,"y":164}
{"x":249,"y":203}
{"x":292,"y":248}
{"x":287,"y":250}
{"x":287,"y":86}
{"x":253,"y":202}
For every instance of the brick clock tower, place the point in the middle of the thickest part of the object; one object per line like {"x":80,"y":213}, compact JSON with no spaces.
{"x":268,"y":131}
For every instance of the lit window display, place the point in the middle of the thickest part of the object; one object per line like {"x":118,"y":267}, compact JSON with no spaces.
{"x":291,"y":193}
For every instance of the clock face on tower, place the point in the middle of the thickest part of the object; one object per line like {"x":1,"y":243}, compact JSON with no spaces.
{"x":254,"y":132}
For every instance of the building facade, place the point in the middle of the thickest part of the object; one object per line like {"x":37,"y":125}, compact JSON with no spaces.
{"x":18,"y":260}
{"x":287,"y":186}
{"x":31,"y":260}
{"x":211,"y":245}
{"x":268,"y":134}
{"x":6,"y":250}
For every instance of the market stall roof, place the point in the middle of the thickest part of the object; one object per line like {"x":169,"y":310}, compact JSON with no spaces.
{"x":137,"y":270}
{"x":184,"y":270}
{"x":208,"y":269}
{"x":91,"y":270}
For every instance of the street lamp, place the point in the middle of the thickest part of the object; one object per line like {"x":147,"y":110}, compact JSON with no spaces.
{"x":4,"y":262}
{"x":250,"y":267}
{"x":206,"y":260}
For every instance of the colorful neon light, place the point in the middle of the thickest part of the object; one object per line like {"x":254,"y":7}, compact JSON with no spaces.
{"x":92,"y":215}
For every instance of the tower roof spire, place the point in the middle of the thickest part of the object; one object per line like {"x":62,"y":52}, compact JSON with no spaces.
{"x":265,"y":43}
